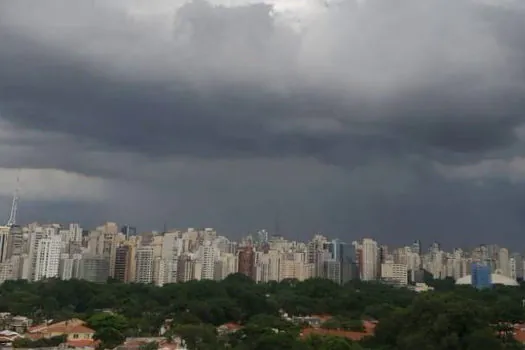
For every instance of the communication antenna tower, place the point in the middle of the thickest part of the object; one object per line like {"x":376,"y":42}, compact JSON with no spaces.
{"x":14,"y":205}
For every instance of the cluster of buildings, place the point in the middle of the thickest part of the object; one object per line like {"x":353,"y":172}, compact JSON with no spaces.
{"x":35,"y":252}
{"x":76,"y":334}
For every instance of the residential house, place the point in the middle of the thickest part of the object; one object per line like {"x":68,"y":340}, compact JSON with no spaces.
{"x":162,"y":343}
{"x":7,"y":337}
{"x":78,"y":334}
{"x":18,"y":324}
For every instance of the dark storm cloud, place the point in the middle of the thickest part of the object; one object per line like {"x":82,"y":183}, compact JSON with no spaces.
{"x":233,"y":73}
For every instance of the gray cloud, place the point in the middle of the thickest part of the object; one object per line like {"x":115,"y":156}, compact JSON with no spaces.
{"x":232,"y":105}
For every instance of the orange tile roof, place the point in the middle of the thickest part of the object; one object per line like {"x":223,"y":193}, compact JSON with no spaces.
{"x":65,"y":327}
{"x":37,"y":328}
{"x":80,"y":329}
{"x":369,"y":326}
{"x":334,"y":332}
{"x":232,"y":326}
{"x":82,"y":343}
{"x":34,"y":336}
{"x":135,"y":343}
{"x":519,"y":332}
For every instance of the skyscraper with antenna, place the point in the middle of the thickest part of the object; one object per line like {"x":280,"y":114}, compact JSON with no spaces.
{"x":14,"y":205}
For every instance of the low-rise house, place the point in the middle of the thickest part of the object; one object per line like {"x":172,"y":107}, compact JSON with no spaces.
{"x":162,"y":343}
{"x":78,"y":335}
{"x":17,"y":324}
{"x":314,"y":321}
{"x":228,"y":328}
{"x":369,"y":329}
{"x":20,"y":324}
{"x":7,"y":337}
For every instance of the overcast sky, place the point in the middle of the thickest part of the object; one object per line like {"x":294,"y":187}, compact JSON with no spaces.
{"x":391,"y":119}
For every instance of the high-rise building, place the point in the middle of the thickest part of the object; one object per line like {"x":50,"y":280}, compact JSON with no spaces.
{"x":122,"y":260}
{"x":416,"y":247}
{"x":343,"y":255}
{"x":396,"y":273}
{"x":94,"y":269}
{"x":6,"y":271}
{"x":15,"y":245}
{"x":246,"y":261}
{"x":225,"y":265}
{"x":186,"y":268}
{"x":481,"y":276}
{"x":315,"y":254}
{"x":128,"y":231}
{"x":267,"y":266}
{"x":295,"y":266}
{"x":66,"y":267}
{"x":207,"y":255}
{"x":47,"y":257}
{"x":144,"y":263}
{"x":503,"y":264}
{"x":159,"y":270}
{"x":369,"y":260}
{"x":516,"y":266}
{"x":4,"y":243}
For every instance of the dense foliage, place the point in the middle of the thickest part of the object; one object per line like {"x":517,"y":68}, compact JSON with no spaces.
{"x":39,"y":343}
{"x":452,"y":317}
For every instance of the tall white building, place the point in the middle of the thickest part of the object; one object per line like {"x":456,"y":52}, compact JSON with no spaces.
{"x":503,"y":262}
{"x":206,"y":257}
{"x":513,"y":268}
{"x":6,"y":271}
{"x":48,"y":257}
{"x":369,"y":259}
{"x":159,"y":271}
{"x":71,"y":234}
{"x":35,"y":236}
{"x":268,"y":266}
{"x":172,"y":248}
{"x":225,"y":265}
{"x":315,"y":253}
{"x":144,"y":263}
{"x":65,"y":268}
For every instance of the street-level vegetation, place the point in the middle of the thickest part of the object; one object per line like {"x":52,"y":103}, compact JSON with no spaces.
{"x":450,"y":317}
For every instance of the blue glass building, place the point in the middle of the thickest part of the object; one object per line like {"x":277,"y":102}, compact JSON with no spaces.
{"x":481,"y":276}
{"x":343,"y":262}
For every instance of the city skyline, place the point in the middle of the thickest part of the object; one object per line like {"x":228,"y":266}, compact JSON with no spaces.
{"x":37,"y":252}
{"x":348,"y":117}
{"x":255,"y":235}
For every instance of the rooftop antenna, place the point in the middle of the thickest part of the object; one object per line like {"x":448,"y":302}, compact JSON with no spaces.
{"x":14,"y":205}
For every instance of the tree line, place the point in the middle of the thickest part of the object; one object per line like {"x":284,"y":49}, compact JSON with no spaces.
{"x":451,"y":317}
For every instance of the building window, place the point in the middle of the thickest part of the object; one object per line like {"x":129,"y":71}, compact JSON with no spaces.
{"x":75,"y":336}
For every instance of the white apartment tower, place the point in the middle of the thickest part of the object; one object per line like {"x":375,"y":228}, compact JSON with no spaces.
{"x":172,"y":248}
{"x":225,"y":265}
{"x":503,"y":262}
{"x":268,"y":266}
{"x":48,"y":257}
{"x":144,"y":263}
{"x":35,"y":236}
{"x":206,"y":257}
{"x":369,"y":259}
{"x":65,"y":268}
